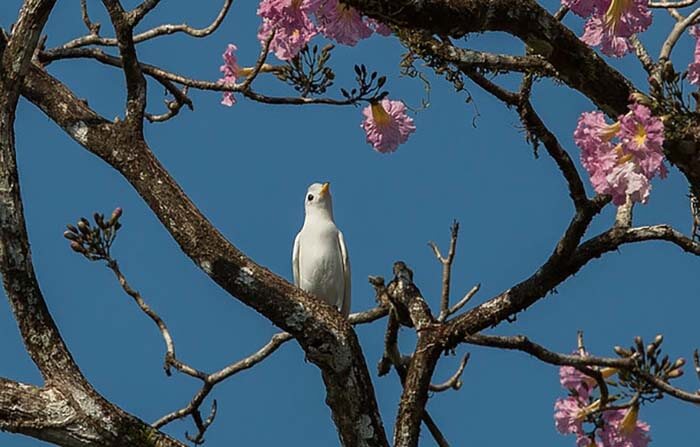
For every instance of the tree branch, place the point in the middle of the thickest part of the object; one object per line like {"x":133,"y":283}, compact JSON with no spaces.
{"x":446,"y":270}
{"x":577,"y":64}
{"x":326,"y":337}
{"x":135,"y":82}
{"x":162,"y":30}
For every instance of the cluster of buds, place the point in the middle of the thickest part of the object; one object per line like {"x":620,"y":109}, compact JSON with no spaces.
{"x":650,"y":360}
{"x":94,"y":242}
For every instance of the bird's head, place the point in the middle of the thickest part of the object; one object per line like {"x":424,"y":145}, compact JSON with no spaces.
{"x":318,"y":200}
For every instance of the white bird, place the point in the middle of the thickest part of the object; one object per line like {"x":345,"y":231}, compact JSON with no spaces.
{"x":320,"y":259}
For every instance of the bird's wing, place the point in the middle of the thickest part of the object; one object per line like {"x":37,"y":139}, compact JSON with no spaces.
{"x":295,"y":261}
{"x":345,"y":308}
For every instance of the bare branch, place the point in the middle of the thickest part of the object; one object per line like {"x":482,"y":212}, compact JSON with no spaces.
{"x":135,"y":82}
{"x":259,"y":63}
{"x":539,"y":132}
{"x":522,"y":343}
{"x":162,"y":75}
{"x":162,"y":30}
{"x":93,"y":28}
{"x":446,"y":269}
{"x":669,"y":389}
{"x":455,"y":381}
{"x":675,"y":34}
{"x":139,"y":12}
{"x":672,"y":4}
{"x":277,"y":340}
{"x":464,"y":300}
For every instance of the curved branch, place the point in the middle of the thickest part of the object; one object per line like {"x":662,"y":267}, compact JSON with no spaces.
{"x":161,"y":30}
{"x":326,"y":337}
{"x":577,"y":64}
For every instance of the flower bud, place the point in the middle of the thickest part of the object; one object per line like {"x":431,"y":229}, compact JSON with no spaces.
{"x":622,"y":352}
{"x":72,"y":228}
{"x":84,"y":226}
{"x":116,"y":214}
{"x":679,"y":363}
{"x":99,"y":220}
{"x":71,"y":236}
{"x":77,"y":247}
{"x":674,"y":374}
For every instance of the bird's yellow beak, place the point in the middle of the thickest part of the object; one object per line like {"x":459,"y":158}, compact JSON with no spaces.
{"x":324,"y":188}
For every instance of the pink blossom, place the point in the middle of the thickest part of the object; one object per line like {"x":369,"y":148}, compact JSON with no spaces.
{"x":387,"y":125}
{"x":291,"y":22}
{"x":342,"y":23}
{"x":583,"y":8}
{"x":623,"y":429}
{"x":612,"y":22}
{"x":595,"y":33}
{"x":230,"y":70}
{"x":624,"y":168}
{"x":569,"y":415}
{"x":574,"y":380}
{"x":642,"y":135}
{"x":694,"y":67}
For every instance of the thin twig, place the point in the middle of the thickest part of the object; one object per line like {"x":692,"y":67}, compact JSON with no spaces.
{"x":162,"y":30}
{"x":455,"y":381}
{"x":464,"y":300}
{"x":259,"y":63}
{"x":672,"y":4}
{"x":170,"y":357}
{"x":446,"y":269}
{"x":522,"y":343}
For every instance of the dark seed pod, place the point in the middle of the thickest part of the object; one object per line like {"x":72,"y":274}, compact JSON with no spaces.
{"x":72,"y":228}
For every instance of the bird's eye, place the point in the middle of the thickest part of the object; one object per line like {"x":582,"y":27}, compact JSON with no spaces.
{"x":310,"y":197}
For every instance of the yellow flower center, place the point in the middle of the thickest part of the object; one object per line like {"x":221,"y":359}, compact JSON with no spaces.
{"x":622,"y":158}
{"x":640,"y":137}
{"x":609,"y":131}
{"x":381,"y":117}
{"x":615,"y":11}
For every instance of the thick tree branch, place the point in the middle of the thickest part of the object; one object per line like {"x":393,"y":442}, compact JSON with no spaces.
{"x":408,"y":300}
{"x":326,"y":337}
{"x":577,"y":64}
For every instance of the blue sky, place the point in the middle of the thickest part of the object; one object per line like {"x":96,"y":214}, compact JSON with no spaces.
{"x":247,"y":168}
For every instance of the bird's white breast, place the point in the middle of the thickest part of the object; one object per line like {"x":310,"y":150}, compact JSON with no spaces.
{"x":320,"y":262}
